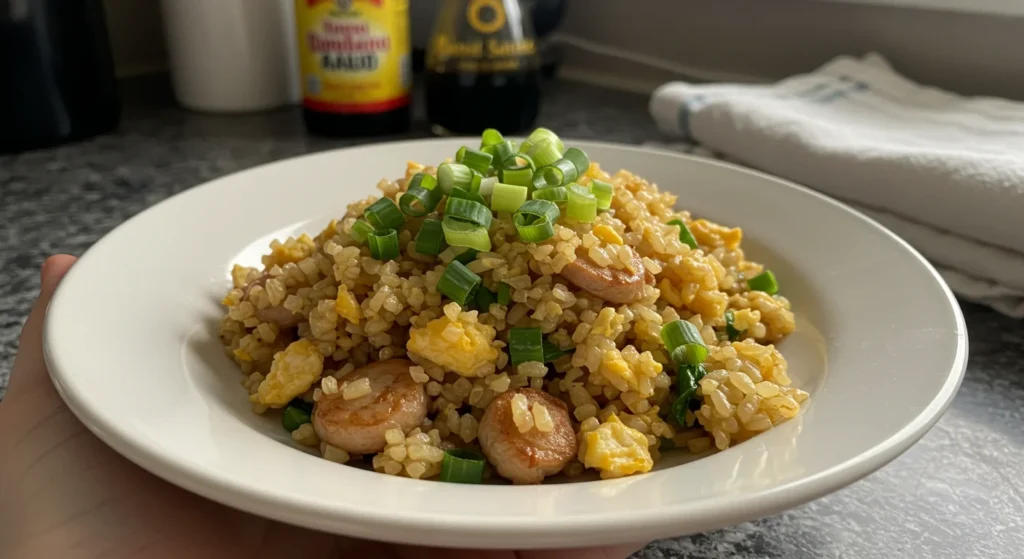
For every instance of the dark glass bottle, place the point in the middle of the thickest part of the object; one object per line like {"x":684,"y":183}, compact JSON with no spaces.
{"x":57,"y":73}
{"x":356,"y":66}
{"x":482,"y":69}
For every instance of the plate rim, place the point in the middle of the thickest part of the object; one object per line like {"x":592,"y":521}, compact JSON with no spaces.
{"x":596,"y":527}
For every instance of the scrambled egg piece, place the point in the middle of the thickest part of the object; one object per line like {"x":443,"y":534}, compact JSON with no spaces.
{"x":615,"y":449}
{"x":625,"y":375}
{"x":292,"y":373}
{"x":709,"y":233}
{"x":607,"y":234}
{"x":459,"y":346}
{"x":346,"y":305}
{"x":291,"y":250}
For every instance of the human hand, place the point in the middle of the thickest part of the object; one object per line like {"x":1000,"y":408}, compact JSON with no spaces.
{"x":63,"y":493}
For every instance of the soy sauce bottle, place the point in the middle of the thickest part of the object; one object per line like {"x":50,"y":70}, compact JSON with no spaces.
{"x":482,"y":69}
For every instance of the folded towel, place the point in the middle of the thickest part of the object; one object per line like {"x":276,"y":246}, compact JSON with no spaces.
{"x":944,"y":172}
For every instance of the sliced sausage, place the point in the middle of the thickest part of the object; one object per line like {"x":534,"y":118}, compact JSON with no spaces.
{"x":611,"y":284}
{"x":357,"y":426}
{"x":531,"y":456}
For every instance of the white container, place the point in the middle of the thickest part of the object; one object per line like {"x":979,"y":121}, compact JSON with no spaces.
{"x":232,"y":55}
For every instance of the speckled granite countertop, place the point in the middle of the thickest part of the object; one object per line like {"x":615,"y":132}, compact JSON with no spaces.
{"x":958,"y":493}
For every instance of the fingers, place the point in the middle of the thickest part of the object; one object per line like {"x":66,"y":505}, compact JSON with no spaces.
{"x":29,"y":366}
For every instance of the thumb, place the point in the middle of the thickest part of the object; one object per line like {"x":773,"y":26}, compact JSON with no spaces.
{"x":29,"y":366}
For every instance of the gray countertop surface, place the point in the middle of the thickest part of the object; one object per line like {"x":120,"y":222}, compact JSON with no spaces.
{"x":958,"y":493}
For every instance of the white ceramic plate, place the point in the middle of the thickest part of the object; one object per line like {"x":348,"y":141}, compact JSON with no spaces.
{"x":131,"y":340}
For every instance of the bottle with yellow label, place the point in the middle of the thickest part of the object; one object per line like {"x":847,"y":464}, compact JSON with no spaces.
{"x":482,"y":68}
{"x":355,"y":63}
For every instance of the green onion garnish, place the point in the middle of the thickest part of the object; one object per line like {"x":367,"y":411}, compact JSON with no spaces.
{"x":484,"y":298}
{"x":507,"y":197}
{"x":684,"y":343}
{"x":466,"y":195}
{"x":535,"y":220}
{"x":503,"y":152}
{"x":556,"y":194}
{"x":552,"y":352}
{"x":294,"y":417}
{"x":430,"y":239}
{"x":603,"y":192}
{"x":461,"y":465}
{"x":582,"y":204}
{"x":462,"y":234}
{"x":579,"y":160}
{"x":424,"y":180}
{"x":418,"y":201}
{"x":469,"y":211}
{"x":384,"y":244}
{"x":477,"y":160}
{"x":559,"y":173}
{"x":474,"y":182}
{"x":490,"y":137}
{"x":544,"y":153}
{"x":384,"y":214}
{"x":487,"y":186}
{"x":504,"y":294}
{"x":765,"y":281}
{"x":466,"y":256}
{"x":684,"y":233}
{"x":686,"y":388}
{"x":460,"y":154}
{"x":731,"y":330}
{"x":361,"y":230}
{"x":539,"y":135}
{"x":454,"y":175}
{"x":525,"y":344}
{"x":517,"y":170}
{"x":458,"y":283}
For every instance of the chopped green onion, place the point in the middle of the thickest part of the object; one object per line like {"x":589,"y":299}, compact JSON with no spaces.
{"x":525,"y":344}
{"x":459,"y":155}
{"x":294,"y":417}
{"x":302,"y":404}
{"x":684,"y":342}
{"x":458,"y":283}
{"x":535,"y":219}
{"x":539,"y":135}
{"x":384,"y":244}
{"x":544,"y":153}
{"x":487,"y":186}
{"x":361,"y":230}
{"x":477,"y":160}
{"x":423,"y":180}
{"x":468,"y":210}
{"x":504,"y":294}
{"x":430,"y":239}
{"x":765,"y":281}
{"x":454,"y":175}
{"x":467,"y":195}
{"x":462,"y":465}
{"x":686,"y":388}
{"x":518,"y":177}
{"x":474,"y":182}
{"x":507,"y":197}
{"x":466,"y":256}
{"x":603,"y":192}
{"x":461,"y":234}
{"x":559,"y":173}
{"x":552,"y":352}
{"x":579,"y":160}
{"x":384,"y":214}
{"x":731,"y":330}
{"x":582,"y":205}
{"x":684,"y":233}
{"x":556,"y":194}
{"x":491,"y":137}
{"x":503,"y":152}
{"x":484,"y":298}
{"x":418,"y":201}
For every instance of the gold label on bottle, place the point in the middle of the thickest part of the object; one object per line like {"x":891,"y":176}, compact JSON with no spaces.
{"x":482,"y":36}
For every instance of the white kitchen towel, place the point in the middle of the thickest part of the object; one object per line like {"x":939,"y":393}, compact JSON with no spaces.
{"x":944,"y":172}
